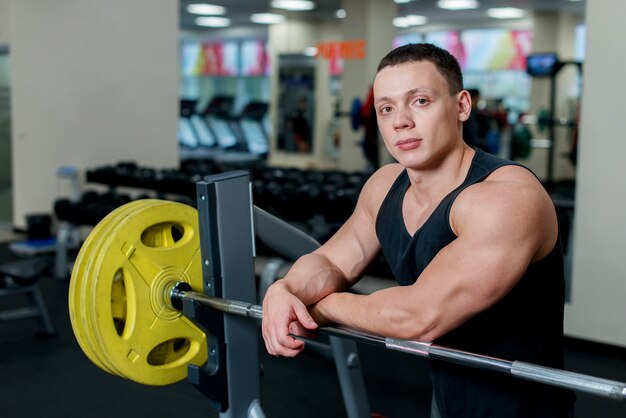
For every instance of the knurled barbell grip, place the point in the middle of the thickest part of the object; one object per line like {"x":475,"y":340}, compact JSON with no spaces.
{"x":555,"y":377}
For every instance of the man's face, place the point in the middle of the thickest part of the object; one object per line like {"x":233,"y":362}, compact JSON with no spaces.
{"x":417,"y":116}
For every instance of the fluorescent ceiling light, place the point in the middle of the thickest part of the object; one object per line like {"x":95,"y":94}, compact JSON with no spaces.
{"x":505,"y":13}
{"x":267,"y":18}
{"x":213,"y":21}
{"x":340,"y":14}
{"x":293,"y":5}
{"x":415,"y":20}
{"x":409,"y":20}
{"x":206,"y":9}
{"x":402,"y":1}
{"x":400,"y":22}
{"x":457,"y":4}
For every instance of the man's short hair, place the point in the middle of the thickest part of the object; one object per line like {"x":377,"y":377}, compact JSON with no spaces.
{"x":446,"y":64}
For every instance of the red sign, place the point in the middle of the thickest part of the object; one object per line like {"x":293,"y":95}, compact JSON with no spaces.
{"x":348,"y":50}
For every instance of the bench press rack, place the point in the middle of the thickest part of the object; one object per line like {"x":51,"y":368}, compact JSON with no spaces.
{"x":228,"y":224}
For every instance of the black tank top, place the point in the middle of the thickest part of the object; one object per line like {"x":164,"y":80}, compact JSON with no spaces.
{"x":525,"y":325}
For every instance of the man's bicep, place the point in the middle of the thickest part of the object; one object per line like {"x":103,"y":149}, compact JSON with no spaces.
{"x":355,"y":244}
{"x":490,"y":255}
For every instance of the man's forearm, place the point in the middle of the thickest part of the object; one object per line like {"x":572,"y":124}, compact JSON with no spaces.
{"x":374,"y":313}
{"x":312,"y":278}
{"x":340,"y":308}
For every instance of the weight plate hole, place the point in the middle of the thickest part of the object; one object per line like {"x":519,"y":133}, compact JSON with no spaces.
{"x":162,"y":235}
{"x":168,"y":351}
{"x":118,"y":302}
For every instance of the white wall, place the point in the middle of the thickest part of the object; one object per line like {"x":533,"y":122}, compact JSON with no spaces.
{"x":4,"y":22}
{"x":598,"y":308}
{"x":93,"y":82}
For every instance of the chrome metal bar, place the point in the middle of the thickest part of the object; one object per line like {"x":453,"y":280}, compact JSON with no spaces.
{"x":556,"y":377}
{"x":224,"y":305}
{"x":565,"y":379}
{"x":439,"y":352}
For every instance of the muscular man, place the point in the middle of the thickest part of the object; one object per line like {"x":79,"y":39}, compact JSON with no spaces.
{"x":472,"y":240}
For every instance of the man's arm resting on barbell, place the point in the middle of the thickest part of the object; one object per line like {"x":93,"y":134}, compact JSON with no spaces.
{"x":501,"y":226}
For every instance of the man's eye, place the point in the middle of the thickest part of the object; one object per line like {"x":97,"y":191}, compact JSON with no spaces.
{"x":385,"y":109}
{"x":421,"y":102}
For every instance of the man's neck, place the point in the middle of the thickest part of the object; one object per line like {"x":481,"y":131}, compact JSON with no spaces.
{"x":429,"y":186}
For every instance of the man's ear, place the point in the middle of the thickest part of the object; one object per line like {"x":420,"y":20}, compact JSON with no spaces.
{"x":464,"y":101}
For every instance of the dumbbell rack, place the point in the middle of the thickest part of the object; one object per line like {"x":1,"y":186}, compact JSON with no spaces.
{"x":228,"y":223}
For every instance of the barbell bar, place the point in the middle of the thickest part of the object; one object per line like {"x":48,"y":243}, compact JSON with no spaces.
{"x":542,"y":374}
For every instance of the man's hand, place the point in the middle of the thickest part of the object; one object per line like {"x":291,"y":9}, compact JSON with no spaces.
{"x":284,"y":314}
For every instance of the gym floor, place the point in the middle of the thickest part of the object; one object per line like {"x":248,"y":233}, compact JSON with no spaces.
{"x":51,"y":377}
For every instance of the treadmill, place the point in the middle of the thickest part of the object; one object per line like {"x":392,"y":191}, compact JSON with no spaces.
{"x":251,"y":129}
{"x":186,"y":134}
{"x":218,"y":116}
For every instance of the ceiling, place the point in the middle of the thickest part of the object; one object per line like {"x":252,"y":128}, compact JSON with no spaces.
{"x":239,"y":11}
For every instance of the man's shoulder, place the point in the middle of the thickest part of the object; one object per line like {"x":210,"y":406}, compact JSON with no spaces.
{"x":383,"y":178}
{"x":511,"y":205}
{"x":513,"y":175}
{"x":511,"y":189}
{"x":379,"y":184}
{"x":387,"y":172}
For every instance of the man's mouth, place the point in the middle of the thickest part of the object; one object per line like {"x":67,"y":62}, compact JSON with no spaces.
{"x":408,"y":144}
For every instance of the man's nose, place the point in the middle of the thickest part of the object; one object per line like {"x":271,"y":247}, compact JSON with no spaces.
{"x":402,"y":119}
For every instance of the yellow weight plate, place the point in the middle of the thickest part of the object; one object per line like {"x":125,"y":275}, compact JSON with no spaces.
{"x":86,"y":256}
{"x":103,"y":236}
{"x":135,"y":328}
{"x":88,"y":313}
{"x":171,"y":348}
{"x":100,"y":234}
{"x":75,"y":296}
